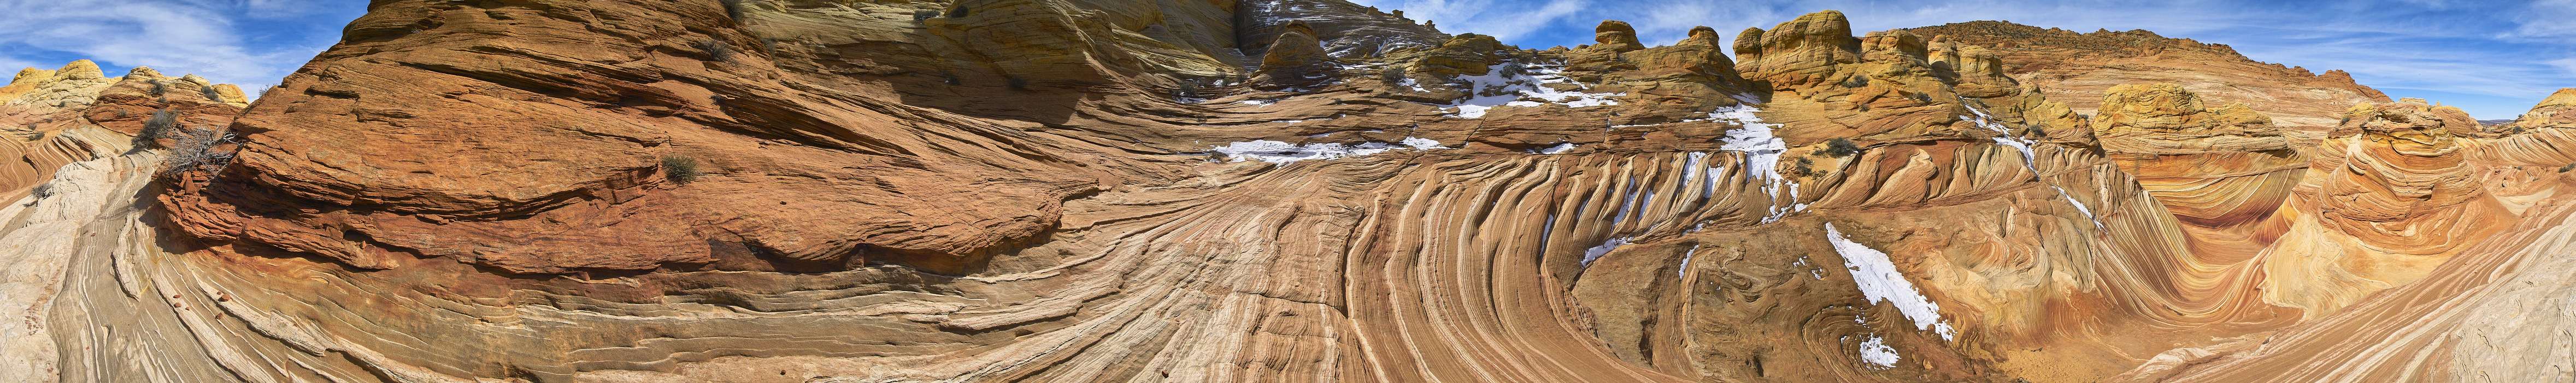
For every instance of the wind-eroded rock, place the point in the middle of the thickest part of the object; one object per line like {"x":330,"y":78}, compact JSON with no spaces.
{"x":1091,"y":190}
{"x":2079,"y":68}
{"x":52,"y":118}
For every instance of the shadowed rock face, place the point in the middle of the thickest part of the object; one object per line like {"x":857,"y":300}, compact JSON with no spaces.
{"x":1062,"y":190}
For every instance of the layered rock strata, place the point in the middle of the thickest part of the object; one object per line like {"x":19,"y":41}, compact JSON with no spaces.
{"x":1060,"y":190}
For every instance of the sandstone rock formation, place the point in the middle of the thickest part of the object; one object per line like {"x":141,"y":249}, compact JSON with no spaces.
{"x":52,"y":118}
{"x":1068,"y":190}
{"x":2078,"y":68}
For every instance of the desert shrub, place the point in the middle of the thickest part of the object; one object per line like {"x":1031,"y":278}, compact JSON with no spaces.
{"x":1394,"y":75}
{"x":960,"y":11}
{"x":196,"y":149}
{"x":160,"y":124}
{"x":1840,"y":148}
{"x":2569,"y":167}
{"x":158,"y":88}
{"x":212,"y":94}
{"x":1803,"y":166}
{"x":769,"y":47}
{"x":43,"y":191}
{"x":1188,"y":89}
{"x":716,"y":49}
{"x":925,"y":15}
{"x":1513,"y":69}
{"x":1856,"y":82}
{"x":681,"y":169}
{"x":733,"y":9}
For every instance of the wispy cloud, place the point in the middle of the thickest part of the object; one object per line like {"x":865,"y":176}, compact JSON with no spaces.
{"x":247,"y":41}
{"x":1507,"y":20}
{"x":2551,"y":19}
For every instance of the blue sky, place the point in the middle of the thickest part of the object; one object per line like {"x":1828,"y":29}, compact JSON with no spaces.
{"x":253,"y":43}
{"x":2494,"y":58}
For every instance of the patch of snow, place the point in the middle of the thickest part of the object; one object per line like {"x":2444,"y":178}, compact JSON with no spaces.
{"x":1560,"y":148}
{"x":1495,"y":89}
{"x":1260,"y":102}
{"x":1597,"y":251}
{"x":1876,"y":352}
{"x":1419,"y":143}
{"x":1761,"y":154}
{"x":1282,"y":153}
{"x":1415,"y":84}
{"x":1879,"y":281}
{"x":2029,"y":159}
{"x":1684,"y":272}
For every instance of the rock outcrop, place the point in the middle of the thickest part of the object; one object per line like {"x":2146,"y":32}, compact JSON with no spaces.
{"x":52,"y":118}
{"x":2079,"y":68}
{"x":1292,"y":190}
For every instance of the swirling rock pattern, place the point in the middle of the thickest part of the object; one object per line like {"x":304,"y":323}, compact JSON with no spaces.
{"x":53,"y":118}
{"x":1056,"y":190}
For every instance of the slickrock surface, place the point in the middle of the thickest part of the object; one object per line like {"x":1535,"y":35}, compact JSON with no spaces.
{"x":52,"y":118}
{"x":1061,"y":190}
{"x":2079,"y":68}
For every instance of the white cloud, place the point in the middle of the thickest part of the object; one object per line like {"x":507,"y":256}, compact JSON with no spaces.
{"x":173,"y":36}
{"x":1505,"y":20}
{"x":2546,"y":19}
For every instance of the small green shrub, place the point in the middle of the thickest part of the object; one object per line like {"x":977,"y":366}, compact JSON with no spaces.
{"x":43,"y":191}
{"x":1188,"y":89}
{"x":960,"y":11}
{"x":716,"y":49}
{"x":212,"y":94}
{"x":1839,"y":148}
{"x":1393,"y":76}
{"x":2569,"y":167}
{"x":160,"y":124}
{"x":681,"y":169}
{"x":196,"y":149}
{"x":159,"y":88}
{"x":733,"y":9}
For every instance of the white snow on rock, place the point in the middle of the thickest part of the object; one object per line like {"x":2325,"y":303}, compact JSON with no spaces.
{"x":1494,"y":89}
{"x":2029,"y":159}
{"x":1597,"y":251}
{"x":1762,"y":155}
{"x":1879,"y":281}
{"x":1876,"y":352}
{"x":1684,"y":271}
{"x":1282,"y":153}
{"x":1560,"y":148}
{"x":1419,"y":143}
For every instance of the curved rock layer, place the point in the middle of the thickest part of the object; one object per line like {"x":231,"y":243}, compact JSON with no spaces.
{"x":52,"y":118}
{"x":2081,"y":68}
{"x":820,"y":191}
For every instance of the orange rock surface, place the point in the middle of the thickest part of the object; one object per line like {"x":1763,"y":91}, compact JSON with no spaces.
{"x":2079,"y":68}
{"x":1277,"y":190}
